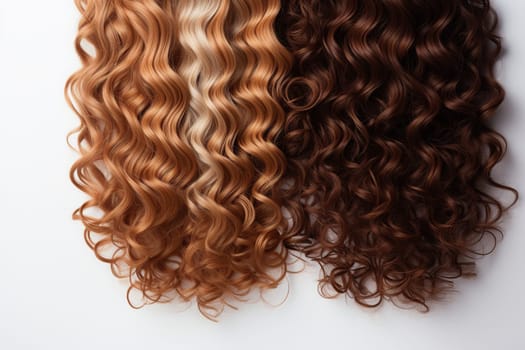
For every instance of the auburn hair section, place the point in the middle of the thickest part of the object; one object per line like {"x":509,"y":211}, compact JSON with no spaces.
{"x":177,"y":145}
{"x":389,"y":142}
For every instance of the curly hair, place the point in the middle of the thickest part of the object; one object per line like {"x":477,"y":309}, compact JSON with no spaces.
{"x":390,"y":152}
{"x":368,"y":122}
{"x":134,"y":163}
{"x":234,"y":215}
{"x":177,"y":145}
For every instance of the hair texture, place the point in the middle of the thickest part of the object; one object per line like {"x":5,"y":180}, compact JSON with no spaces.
{"x":388,"y":141}
{"x":177,"y":145}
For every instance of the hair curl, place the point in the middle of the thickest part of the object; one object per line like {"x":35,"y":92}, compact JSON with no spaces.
{"x":232,"y":62}
{"x":177,"y":145}
{"x":388,"y":142}
{"x":134,"y":163}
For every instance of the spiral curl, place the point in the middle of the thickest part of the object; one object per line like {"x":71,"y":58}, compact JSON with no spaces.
{"x":390,"y":152}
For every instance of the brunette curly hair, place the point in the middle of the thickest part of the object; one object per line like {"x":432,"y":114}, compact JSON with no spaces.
{"x":389,"y":147}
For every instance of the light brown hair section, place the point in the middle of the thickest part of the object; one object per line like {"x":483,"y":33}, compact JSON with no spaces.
{"x":177,"y":146}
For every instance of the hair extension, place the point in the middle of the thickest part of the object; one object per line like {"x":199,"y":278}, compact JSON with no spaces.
{"x":177,"y":145}
{"x":232,"y":125}
{"x":134,"y":163}
{"x":388,"y":142}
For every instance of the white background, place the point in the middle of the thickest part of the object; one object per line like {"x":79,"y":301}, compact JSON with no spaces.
{"x":55,"y":295}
